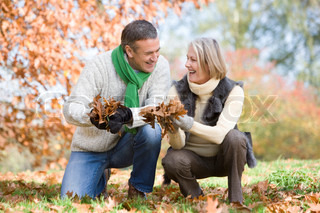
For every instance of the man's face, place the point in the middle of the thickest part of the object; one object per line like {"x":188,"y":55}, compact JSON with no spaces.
{"x":145,"y":55}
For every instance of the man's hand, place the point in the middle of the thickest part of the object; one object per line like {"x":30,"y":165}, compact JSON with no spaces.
{"x":185,"y":122}
{"x":123,"y":115}
{"x":95,"y":121}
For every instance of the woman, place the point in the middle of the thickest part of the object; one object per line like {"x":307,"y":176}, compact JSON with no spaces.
{"x":207,"y":142}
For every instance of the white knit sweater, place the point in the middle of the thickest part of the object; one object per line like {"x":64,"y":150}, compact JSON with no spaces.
{"x":100,"y":77}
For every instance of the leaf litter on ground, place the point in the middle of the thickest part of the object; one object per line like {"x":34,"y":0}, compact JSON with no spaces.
{"x":39,"y":191}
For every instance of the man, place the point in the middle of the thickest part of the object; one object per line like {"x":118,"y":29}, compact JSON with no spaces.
{"x":137,"y":75}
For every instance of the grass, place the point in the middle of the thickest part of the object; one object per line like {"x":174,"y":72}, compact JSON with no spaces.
{"x":271,"y":186}
{"x":290,"y":180}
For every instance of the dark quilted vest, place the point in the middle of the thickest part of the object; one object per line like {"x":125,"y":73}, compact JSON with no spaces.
{"x":214,"y":107}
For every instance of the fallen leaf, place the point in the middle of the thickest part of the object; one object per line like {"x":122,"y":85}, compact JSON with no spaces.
{"x":212,"y":206}
{"x":313,"y":197}
{"x":82,"y":208}
{"x":314,"y":207}
{"x":240,"y":207}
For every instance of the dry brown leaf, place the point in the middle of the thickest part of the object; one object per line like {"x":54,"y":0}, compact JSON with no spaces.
{"x":163,"y":114}
{"x":240,"y":207}
{"x":314,"y":207}
{"x":82,"y":208}
{"x":104,"y":109}
{"x":313,"y":197}
{"x":261,"y":188}
{"x":212,"y":206}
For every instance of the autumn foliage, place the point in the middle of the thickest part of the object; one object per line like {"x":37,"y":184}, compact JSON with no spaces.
{"x":282,"y":114}
{"x":42,"y":48}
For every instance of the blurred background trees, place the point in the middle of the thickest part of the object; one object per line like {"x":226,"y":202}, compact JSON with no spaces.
{"x":287,"y":33}
{"x":271,"y":45}
{"x":274,"y":47}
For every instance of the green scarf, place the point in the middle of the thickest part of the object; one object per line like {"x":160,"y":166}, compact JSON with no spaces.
{"x":133,"y":80}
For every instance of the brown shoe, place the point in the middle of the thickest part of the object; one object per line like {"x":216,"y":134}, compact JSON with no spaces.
{"x":166,"y":180}
{"x":134,"y":193}
{"x":107,"y":173}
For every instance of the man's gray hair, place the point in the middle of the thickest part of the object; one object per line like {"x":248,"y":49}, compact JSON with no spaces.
{"x":135,"y":31}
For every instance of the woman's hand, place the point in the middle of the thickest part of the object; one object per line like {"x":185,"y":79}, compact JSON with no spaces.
{"x":184,"y":122}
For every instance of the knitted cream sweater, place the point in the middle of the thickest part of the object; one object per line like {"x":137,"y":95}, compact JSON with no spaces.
{"x":204,"y":140}
{"x":100,"y":77}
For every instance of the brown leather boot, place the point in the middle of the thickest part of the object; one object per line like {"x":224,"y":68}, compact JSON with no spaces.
{"x":134,"y":193}
{"x":166,"y":180}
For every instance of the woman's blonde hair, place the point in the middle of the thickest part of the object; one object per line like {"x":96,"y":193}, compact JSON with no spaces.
{"x":209,"y":56}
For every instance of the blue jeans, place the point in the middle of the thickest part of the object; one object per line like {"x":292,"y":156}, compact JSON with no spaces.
{"x":84,"y":174}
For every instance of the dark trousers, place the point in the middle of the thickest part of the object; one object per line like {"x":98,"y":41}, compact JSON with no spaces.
{"x":185,"y":167}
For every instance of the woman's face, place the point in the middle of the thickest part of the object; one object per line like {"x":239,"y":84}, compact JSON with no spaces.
{"x":196,"y":75}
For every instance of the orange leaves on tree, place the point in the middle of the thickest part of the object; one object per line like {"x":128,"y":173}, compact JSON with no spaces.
{"x":163,"y":114}
{"x":43,"y":45}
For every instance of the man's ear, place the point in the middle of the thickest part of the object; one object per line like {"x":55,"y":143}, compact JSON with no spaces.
{"x":129,"y":51}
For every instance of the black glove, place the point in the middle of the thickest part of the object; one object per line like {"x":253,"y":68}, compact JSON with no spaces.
{"x":95,"y":121}
{"x":123,"y":115}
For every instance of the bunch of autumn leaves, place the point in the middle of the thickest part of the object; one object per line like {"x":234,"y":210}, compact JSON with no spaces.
{"x":163,"y":113}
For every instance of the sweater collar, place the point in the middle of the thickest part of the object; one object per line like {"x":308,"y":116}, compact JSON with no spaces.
{"x":203,"y":89}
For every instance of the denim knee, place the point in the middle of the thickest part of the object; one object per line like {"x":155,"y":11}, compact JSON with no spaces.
{"x":84,"y":174}
{"x":151,"y":137}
